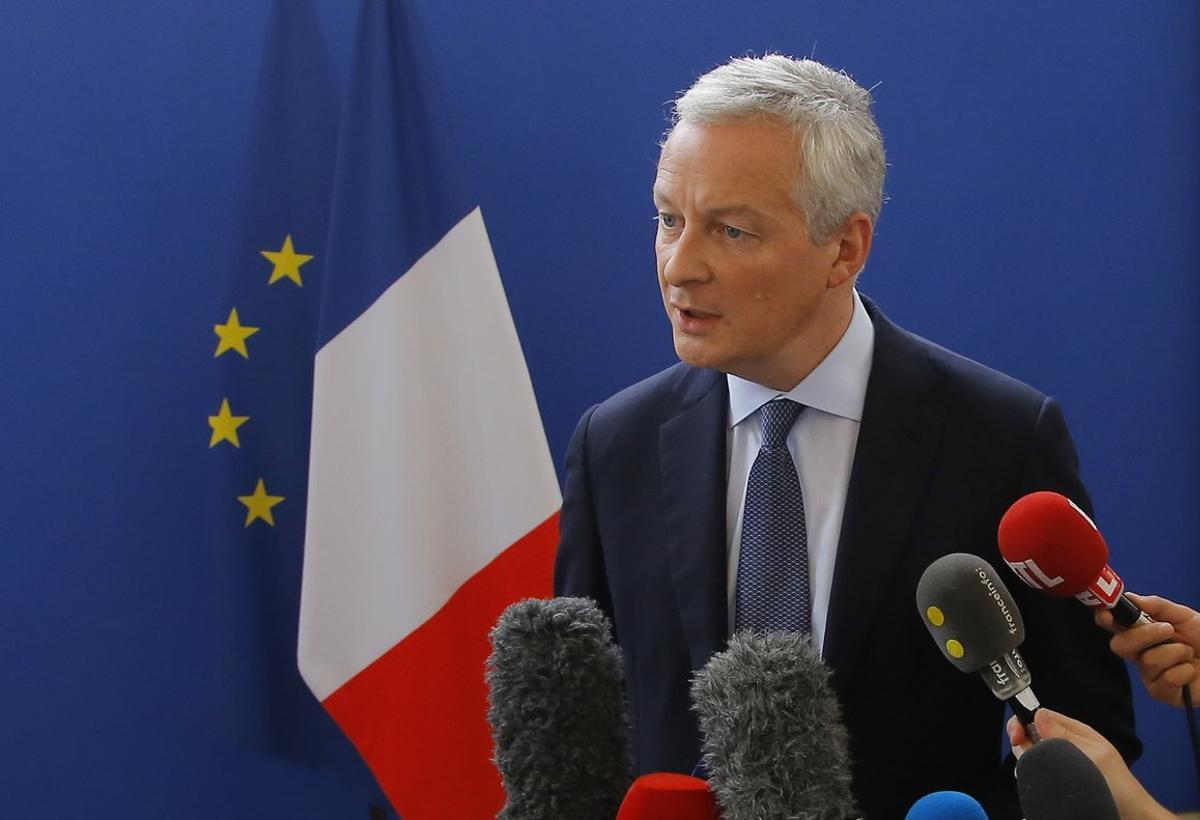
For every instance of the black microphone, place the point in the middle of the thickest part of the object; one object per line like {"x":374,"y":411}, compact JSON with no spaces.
{"x":556,"y":708}
{"x":1056,"y":781}
{"x":974,"y":621}
{"x":774,"y":744}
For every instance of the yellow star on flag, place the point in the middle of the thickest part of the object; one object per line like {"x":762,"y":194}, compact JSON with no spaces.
{"x":233,"y":335}
{"x":287,"y":262}
{"x":258,"y":506}
{"x":225,"y":425}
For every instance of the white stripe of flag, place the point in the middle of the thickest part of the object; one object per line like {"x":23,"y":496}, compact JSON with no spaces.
{"x":428,"y":461}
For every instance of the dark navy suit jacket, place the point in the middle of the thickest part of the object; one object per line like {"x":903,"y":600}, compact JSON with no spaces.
{"x":945,"y":446}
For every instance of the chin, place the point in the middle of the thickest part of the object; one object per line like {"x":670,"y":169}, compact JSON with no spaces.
{"x":698,"y":354}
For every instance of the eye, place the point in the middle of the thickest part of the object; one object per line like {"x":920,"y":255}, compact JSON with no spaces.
{"x":666,"y":220}
{"x":733,"y":233}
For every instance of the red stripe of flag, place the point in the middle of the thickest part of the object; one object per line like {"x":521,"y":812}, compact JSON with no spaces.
{"x":418,"y":714}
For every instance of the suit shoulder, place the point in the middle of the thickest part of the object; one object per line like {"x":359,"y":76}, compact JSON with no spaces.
{"x":656,"y":397}
{"x":915,"y":365}
{"x":967,"y":380}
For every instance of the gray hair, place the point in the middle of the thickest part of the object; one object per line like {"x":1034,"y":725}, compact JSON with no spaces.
{"x":841,"y":149}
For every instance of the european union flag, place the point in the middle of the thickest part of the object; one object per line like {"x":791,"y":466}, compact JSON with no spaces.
{"x":259,"y":415}
{"x":364,"y":286}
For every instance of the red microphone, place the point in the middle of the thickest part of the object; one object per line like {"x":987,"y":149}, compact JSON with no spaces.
{"x":668,"y":796}
{"x":1054,"y":547}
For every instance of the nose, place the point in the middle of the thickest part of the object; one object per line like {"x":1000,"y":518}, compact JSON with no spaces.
{"x":684,"y":260}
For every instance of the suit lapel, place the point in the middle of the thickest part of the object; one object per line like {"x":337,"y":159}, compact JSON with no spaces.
{"x":897,"y":443}
{"x":692,"y":457}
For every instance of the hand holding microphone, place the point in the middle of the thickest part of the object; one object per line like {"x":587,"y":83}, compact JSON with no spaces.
{"x":1131,"y":798}
{"x":1056,"y":781}
{"x":1165,"y":668}
{"x":1054,"y":547}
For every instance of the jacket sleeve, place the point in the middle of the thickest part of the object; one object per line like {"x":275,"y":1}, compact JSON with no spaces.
{"x":579,"y":563}
{"x":1073,"y":670}
{"x":1081,"y":677}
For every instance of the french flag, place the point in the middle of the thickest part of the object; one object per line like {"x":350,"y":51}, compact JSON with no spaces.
{"x":432,"y":497}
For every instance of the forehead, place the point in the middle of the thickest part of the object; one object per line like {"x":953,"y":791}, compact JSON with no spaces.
{"x":757,"y":157}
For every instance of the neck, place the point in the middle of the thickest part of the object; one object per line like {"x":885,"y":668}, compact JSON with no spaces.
{"x":802,"y":357}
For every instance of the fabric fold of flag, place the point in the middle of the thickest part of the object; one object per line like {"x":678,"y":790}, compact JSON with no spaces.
{"x":432,"y":498}
{"x":259,"y":344}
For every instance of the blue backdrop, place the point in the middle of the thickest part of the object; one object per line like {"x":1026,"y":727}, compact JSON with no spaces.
{"x":1042,"y":217}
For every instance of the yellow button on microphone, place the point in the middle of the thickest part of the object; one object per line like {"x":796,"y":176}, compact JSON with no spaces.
{"x":954,"y":648}
{"x":935,"y":616}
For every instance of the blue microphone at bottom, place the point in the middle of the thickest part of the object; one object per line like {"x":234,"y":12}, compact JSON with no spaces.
{"x":946,"y":806}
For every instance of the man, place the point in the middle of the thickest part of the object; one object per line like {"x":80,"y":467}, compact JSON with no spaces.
{"x":808,"y":459}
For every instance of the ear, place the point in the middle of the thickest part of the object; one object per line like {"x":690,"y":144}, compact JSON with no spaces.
{"x":853,"y":245}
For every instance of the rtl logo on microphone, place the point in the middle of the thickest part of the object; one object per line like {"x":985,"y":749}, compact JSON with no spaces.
{"x":1105,"y":591}
{"x":1033,"y":575}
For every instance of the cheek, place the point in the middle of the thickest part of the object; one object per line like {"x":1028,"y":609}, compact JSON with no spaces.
{"x":659,"y":245}
{"x":761,"y":286}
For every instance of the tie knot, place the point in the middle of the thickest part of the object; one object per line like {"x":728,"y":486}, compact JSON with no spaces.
{"x":778,"y":416}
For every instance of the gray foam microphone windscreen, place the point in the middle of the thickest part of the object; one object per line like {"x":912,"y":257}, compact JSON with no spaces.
{"x":556,"y":707}
{"x":774,"y":744}
{"x":968,"y":611}
{"x":1057,"y":781}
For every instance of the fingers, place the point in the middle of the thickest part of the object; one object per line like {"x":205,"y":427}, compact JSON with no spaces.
{"x":1131,"y":798}
{"x":1050,"y":724}
{"x":1161,"y":609}
{"x":1185,"y":620}
{"x":1130,"y":642}
{"x":1155,"y":661}
{"x":1180,"y":676}
{"x":1165,"y":669}
{"x":1168,"y":688}
{"x":1055,"y":724}
{"x":1167,"y":652}
{"x":1017,"y":736}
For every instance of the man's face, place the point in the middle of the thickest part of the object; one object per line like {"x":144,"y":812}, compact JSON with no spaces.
{"x":745,"y":288}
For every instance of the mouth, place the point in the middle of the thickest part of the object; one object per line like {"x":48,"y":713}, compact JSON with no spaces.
{"x":692,"y":320}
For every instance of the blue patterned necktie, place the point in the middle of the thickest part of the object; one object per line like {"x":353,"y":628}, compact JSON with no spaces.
{"x":772,"y":574}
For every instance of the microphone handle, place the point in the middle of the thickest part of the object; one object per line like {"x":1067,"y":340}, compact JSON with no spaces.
{"x":1127,"y":613}
{"x":1025,"y":705}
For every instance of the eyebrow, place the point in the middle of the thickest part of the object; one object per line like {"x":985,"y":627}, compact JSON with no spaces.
{"x":733,"y":210}
{"x":721,"y":211}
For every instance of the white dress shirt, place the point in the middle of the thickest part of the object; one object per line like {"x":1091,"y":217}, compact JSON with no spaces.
{"x":822,"y":443}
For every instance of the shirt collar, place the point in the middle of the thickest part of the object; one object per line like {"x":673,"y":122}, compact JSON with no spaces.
{"x":838,"y":385}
